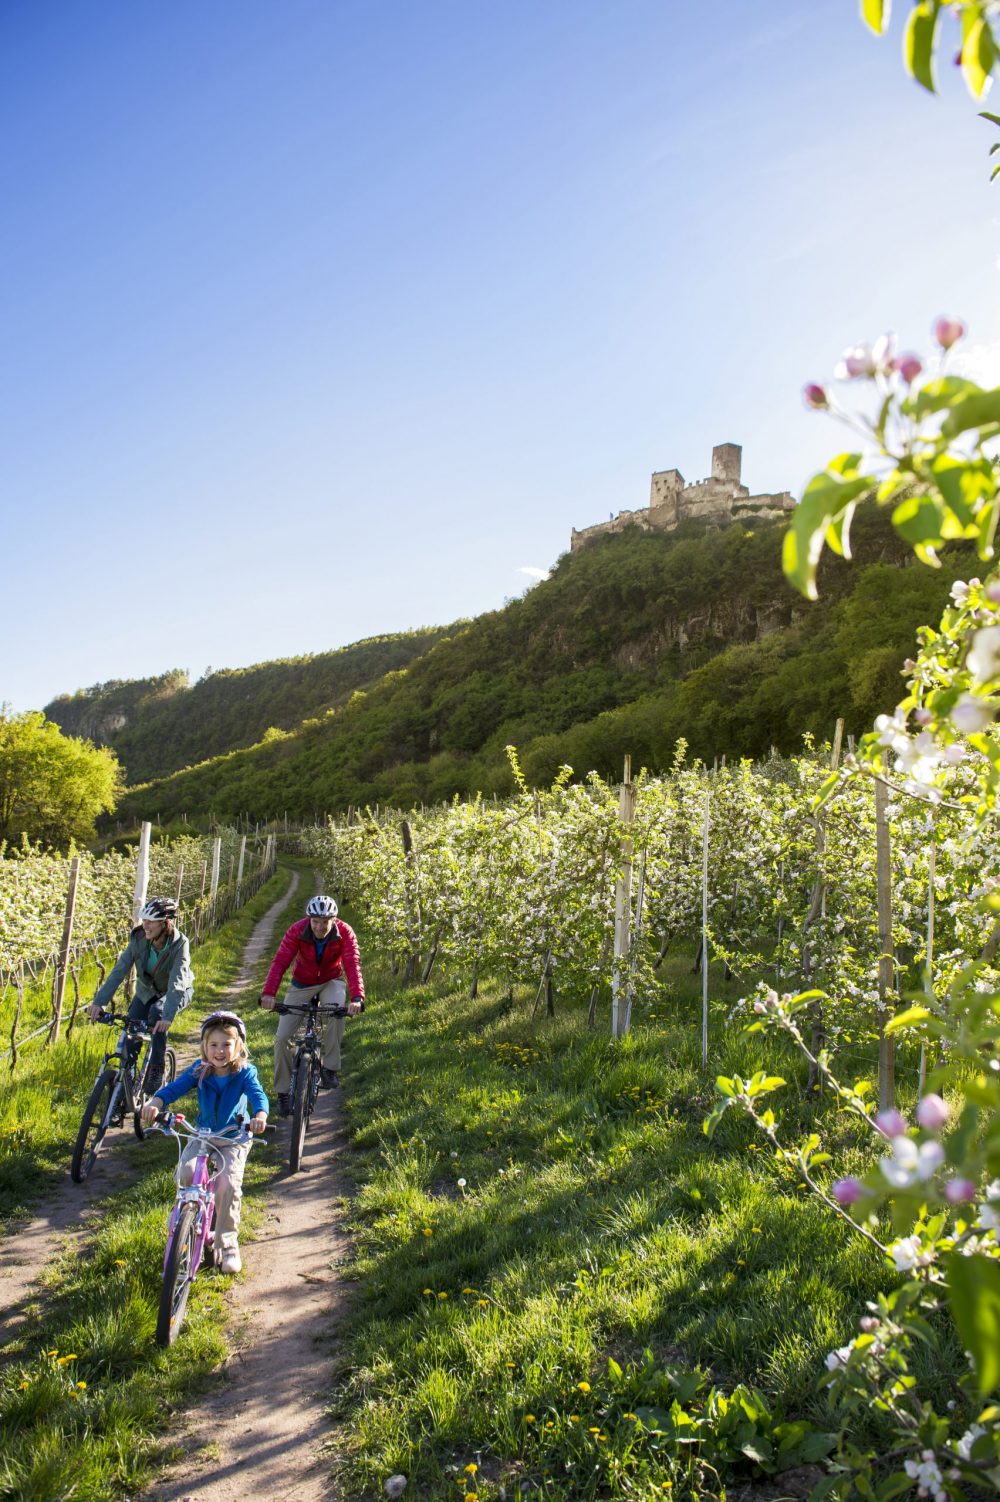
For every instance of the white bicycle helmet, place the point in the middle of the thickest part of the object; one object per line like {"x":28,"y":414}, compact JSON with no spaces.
{"x":158,"y":909}
{"x":321,"y":907}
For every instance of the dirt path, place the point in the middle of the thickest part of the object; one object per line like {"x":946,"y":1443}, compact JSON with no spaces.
{"x":263,"y":1430}
{"x":73,"y":1208}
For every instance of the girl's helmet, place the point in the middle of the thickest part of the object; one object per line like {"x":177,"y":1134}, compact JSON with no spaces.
{"x":158,"y":909}
{"x":224,"y":1019}
{"x":321,"y":907}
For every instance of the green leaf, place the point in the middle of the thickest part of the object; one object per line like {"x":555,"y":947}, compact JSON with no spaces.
{"x":996,"y":170}
{"x":974,"y":411}
{"x":909,"y":1018}
{"x":978,"y":54}
{"x":939,"y":394}
{"x":974,"y":1295}
{"x":985,"y":115}
{"x":920,"y":519}
{"x":965,"y":484}
{"x":824,"y":502}
{"x":838,"y":533}
{"x":918,"y":42}
{"x":875,"y":13}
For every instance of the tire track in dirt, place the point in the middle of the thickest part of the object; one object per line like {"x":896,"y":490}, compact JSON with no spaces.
{"x":73,"y":1209}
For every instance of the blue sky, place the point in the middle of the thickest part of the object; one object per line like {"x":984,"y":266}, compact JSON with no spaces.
{"x":326,"y":318}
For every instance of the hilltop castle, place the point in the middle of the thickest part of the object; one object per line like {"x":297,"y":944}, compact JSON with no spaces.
{"x":720,"y":499}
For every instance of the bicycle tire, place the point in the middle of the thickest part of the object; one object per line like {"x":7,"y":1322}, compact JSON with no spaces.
{"x":209,"y":1249}
{"x":169,"y":1073}
{"x":178,"y":1275}
{"x":300,"y":1110}
{"x":94,"y":1124}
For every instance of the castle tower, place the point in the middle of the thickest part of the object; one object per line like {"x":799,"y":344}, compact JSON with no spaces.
{"x":727,"y":461}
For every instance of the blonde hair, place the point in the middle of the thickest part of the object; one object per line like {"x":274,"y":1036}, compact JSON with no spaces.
{"x":230,"y":1029}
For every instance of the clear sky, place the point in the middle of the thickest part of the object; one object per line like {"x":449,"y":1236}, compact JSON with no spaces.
{"x":326,"y":318}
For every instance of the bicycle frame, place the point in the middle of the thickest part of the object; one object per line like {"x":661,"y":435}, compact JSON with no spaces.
{"x":201,"y":1191}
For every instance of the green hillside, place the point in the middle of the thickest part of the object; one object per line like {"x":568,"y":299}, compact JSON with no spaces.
{"x":159,"y":725}
{"x":632,"y":642}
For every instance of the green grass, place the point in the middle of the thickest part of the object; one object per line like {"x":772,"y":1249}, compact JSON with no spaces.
{"x":85,"y":1394}
{"x":596,"y":1222}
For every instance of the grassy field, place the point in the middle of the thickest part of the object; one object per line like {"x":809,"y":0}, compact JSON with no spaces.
{"x":557,"y":1267}
{"x":85,"y":1394}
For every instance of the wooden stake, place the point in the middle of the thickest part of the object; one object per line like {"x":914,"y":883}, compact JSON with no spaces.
{"x":704,"y":936}
{"x":929,"y":962}
{"x":883,"y":874}
{"x":67,"y":937}
{"x":623,"y":900}
{"x":141,"y":872}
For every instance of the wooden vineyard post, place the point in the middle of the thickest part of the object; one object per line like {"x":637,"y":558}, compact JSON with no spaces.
{"x":216,"y":858}
{"x":141,"y":872}
{"x":883,"y":874}
{"x":704,"y":932}
{"x":929,"y":983}
{"x":623,"y":903}
{"x":239,"y":873}
{"x":412,"y":967}
{"x":817,"y":914}
{"x":180,"y":882}
{"x":59,"y":988}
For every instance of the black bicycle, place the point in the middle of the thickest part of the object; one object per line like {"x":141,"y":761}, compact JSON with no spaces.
{"x":306,"y":1071}
{"x":117,"y":1092}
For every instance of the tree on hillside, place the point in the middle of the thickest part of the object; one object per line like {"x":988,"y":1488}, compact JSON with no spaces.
{"x":52,"y":786}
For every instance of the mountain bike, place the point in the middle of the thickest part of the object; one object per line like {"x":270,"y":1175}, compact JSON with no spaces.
{"x":117,"y":1092}
{"x":191,"y":1227}
{"x":305,"y":1081}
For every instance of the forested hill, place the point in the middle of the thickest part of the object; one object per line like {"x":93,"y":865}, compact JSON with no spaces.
{"x":159,"y":725}
{"x":632,"y":642}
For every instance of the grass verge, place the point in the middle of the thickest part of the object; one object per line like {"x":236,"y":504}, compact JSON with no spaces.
{"x":557,"y":1267}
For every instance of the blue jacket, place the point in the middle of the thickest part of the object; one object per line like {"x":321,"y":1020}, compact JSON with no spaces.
{"x":221,"y":1097}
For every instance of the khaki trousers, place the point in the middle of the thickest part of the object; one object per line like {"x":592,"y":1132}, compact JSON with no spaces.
{"x":228,"y":1185}
{"x":332,"y":993}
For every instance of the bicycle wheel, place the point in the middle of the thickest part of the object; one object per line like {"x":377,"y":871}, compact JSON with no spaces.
{"x":178,"y":1275}
{"x":208,"y":1250}
{"x":304,"y":1068}
{"x":97,"y":1114}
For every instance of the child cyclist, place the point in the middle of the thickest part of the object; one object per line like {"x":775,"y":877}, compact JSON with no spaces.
{"x":227,"y":1086}
{"x":325,"y":951}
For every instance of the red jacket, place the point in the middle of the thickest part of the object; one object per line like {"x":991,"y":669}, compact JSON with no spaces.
{"x":340,"y":957}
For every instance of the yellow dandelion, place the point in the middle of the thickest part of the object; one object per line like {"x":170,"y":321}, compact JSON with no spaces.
{"x":119,"y":1262}
{"x":52,"y":1353}
{"x":628,"y":1415}
{"x":472,"y":1497}
{"x":82,"y":1386}
{"x":442,"y":1295}
{"x":583,"y":1386}
{"x":529,"y":1418}
{"x":468,"y":1290}
{"x":740,"y":1262}
{"x":23,"y":1385}
{"x":428,"y":1292}
{"x":471,"y":1468}
{"x":756,"y":1231}
{"x":63,"y":1359}
{"x":428,"y":1231}
{"x":481,"y":1303}
{"x":574,"y":1418}
{"x":593,"y":1429}
{"x":510,"y":1366}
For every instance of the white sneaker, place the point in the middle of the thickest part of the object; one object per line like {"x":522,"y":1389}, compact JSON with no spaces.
{"x":231,"y":1260}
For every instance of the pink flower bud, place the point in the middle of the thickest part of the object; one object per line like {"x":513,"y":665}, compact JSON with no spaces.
{"x":948,"y":331}
{"x":922,"y":716}
{"x":933,"y":1112}
{"x":992,"y":591}
{"x":847,"y":1191}
{"x":814,"y":396}
{"x":868,"y":1323}
{"x":908,"y":366}
{"x":959,"y":1191}
{"x":891,"y":1123}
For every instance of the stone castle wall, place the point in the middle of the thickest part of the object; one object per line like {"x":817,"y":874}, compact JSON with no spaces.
{"x":719,"y":499}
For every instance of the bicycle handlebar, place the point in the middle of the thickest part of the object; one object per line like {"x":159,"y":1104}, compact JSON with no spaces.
{"x":133,"y":1025}
{"x":310,"y":1006}
{"x":173,"y":1123}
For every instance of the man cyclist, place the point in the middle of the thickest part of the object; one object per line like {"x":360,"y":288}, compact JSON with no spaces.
{"x":164,"y":980}
{"x":324,"y":950}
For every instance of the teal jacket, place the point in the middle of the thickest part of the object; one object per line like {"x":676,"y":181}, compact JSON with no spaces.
{"x":172,"y":978}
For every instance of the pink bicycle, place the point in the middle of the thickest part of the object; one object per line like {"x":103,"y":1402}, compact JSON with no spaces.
{"x":191,"y":1227}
